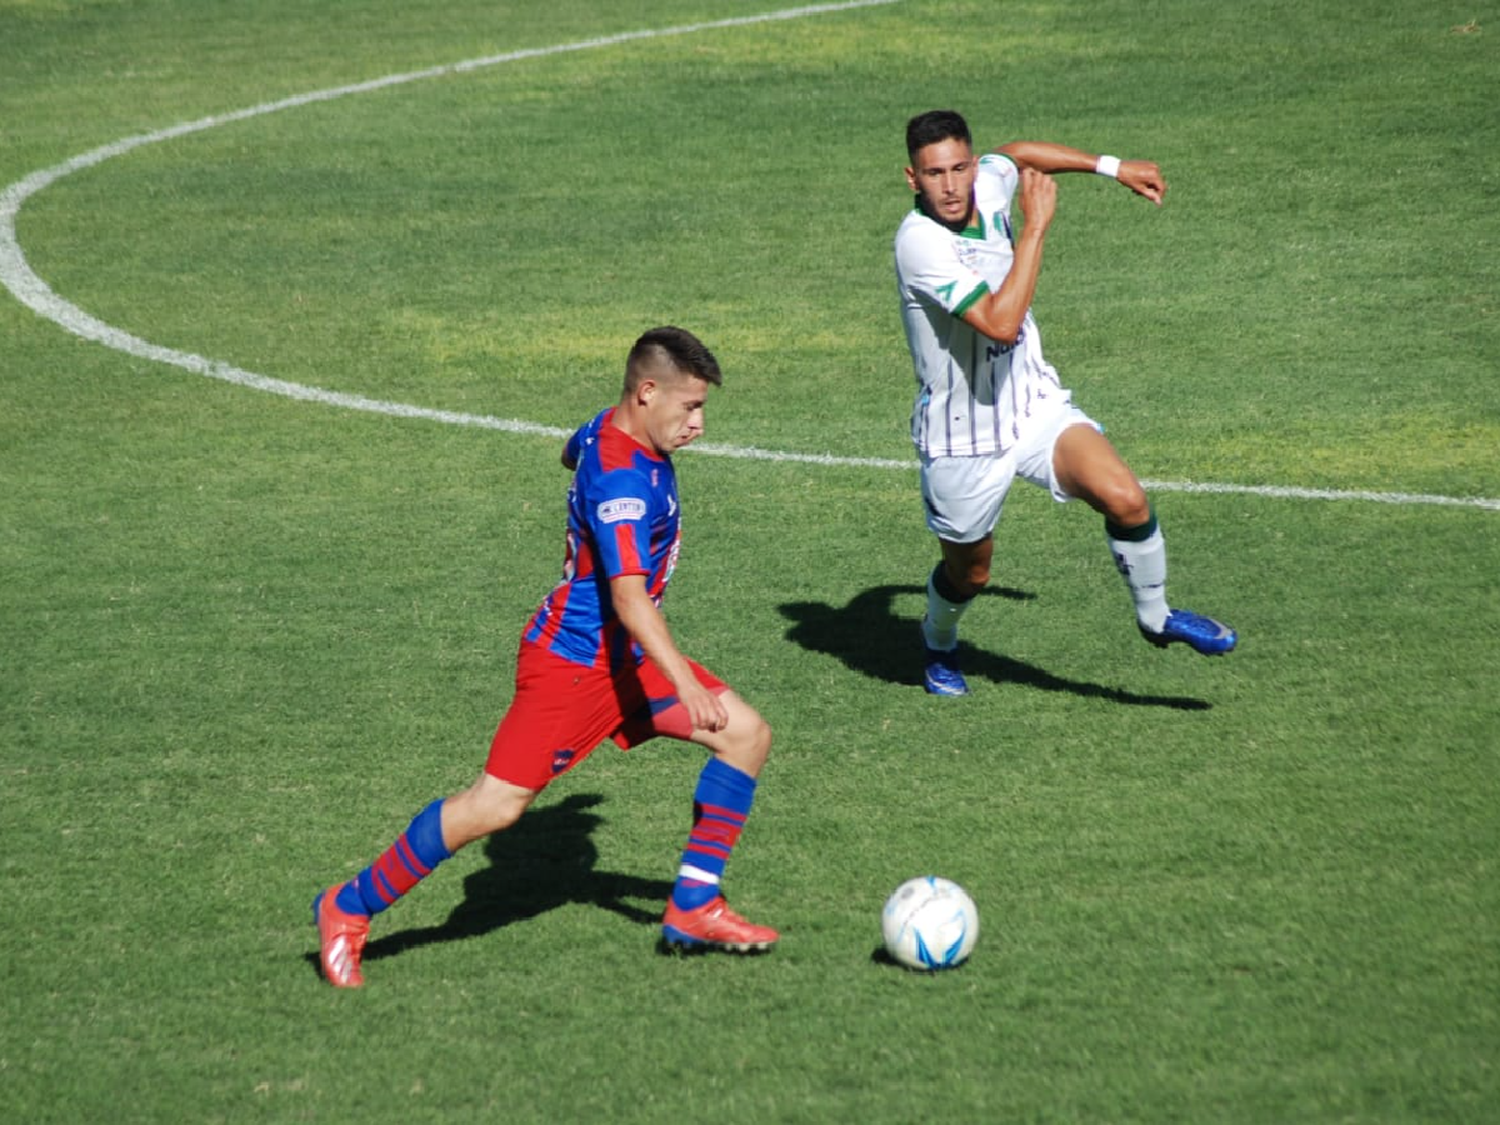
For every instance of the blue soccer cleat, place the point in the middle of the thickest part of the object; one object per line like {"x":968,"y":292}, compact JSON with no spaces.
{"x":942,"y":673}
{"x":1201,"y":634}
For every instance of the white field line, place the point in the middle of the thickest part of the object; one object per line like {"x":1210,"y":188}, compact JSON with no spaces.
{"x":1282,"y":492}
{"x":18,"y":277}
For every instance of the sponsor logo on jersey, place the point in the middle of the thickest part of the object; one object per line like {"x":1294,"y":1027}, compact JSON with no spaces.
{"x":625,"y":508}
{"x":995,"y":349}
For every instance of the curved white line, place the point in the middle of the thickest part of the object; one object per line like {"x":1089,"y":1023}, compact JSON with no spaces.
{"x":18,"y":277}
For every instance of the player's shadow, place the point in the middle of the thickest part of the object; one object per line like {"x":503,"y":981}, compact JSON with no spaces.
{"x":545,"y":860}
{"x":869,"y":637}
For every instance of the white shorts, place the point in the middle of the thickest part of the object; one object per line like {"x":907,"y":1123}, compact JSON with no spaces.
{"x":964,"y":495}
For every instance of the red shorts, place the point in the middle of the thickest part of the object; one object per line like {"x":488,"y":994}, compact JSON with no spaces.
{"x":562,"y":711}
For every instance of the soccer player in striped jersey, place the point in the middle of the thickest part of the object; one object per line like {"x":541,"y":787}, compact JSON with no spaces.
{"x":989,"y":408}
{"x":597,"y":661}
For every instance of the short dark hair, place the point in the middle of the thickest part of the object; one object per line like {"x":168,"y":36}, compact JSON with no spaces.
{"x":676,"y":348}
{"x":933,"y":126}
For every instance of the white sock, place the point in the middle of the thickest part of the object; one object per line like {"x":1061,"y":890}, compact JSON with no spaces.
{"x":1144,"y":567}
{"x":940,"y":626}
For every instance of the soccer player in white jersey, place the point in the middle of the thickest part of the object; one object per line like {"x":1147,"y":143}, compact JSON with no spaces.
{"x":989,"y":407}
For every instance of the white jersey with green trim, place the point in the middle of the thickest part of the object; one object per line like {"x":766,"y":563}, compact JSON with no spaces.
{"x":974,"y":394}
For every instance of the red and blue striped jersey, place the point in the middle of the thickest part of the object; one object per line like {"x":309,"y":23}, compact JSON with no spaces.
{"x":622,"y":519}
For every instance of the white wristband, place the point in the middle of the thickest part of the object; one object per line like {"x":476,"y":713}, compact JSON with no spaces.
{"x":1108,"y":166}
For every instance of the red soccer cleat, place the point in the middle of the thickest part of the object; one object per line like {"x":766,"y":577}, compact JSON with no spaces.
{"x":714,"y":926}
{"x":342,"y":936}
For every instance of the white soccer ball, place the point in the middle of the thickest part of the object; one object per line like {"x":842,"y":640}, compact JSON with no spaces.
{"x":929,"y":923}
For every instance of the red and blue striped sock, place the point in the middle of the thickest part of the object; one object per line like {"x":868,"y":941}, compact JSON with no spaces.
{"x":400,"y":867}
{"x":720,"y":805}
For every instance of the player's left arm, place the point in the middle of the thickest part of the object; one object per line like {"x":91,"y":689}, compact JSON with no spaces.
{"x":1141,"y":176}
{"x":644,"y":622}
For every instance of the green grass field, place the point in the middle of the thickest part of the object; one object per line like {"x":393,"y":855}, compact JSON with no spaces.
{"x":245,"y":636}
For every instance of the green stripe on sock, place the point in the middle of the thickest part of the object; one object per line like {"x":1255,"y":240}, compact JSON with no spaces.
{"x":1132,"y":534}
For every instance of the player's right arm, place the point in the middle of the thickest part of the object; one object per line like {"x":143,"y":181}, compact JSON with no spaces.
{"x":999,"y":314}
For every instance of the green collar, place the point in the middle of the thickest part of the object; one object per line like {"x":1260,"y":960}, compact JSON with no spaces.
{"x":976,"y":231}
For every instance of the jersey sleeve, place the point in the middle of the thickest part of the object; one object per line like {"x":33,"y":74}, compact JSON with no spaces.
{"x":584,"y":436}
{"x":1001,"y":173}
{"x":930,"y":268}
{"x":617,"y":510}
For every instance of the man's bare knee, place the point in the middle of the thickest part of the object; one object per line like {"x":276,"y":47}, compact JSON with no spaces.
{"x":1125,"y":504}
{"x":746,"y":743}
{"x":967,"y":565}
{"x":973,"y":578}
{"x":489,"y":805}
